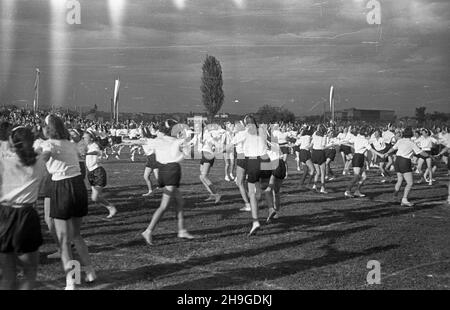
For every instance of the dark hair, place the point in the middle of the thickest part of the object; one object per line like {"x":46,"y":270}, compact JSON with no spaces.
{"x":22,"y":139}
{"x":407,"y":133}
{"x":5,"y":131}
{"x":56,"y":129}
{"x":363,"y":131}
{"x":166,"y":127}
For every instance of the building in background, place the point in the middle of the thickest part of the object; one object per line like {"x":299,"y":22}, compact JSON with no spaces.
{"x":354,"y":114}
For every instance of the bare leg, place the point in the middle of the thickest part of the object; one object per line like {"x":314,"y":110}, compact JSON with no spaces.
{"x":8,"y":263}
{"x":29,"y":262}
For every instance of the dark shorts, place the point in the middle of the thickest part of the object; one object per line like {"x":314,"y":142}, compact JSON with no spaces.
{"x":330,"y":154}
{"x":169,"y":175}
{"x":240,"y":161}
{"x":69,"y":199}
{"x":280,"y":171}
{"x":305,"y":155}
{"x":207,"y":158}
{"x":318,"y":157}
{"x":97,"y":177}
{"x":297,"y":148}
{"x":402,"y":165}
{"x":423,"y":157}
{"x":20,"y":230}
{"x":284,"y":149}
{"x":358,"y":160}
{"x":345,"y":149}
{"x":258,"y":169}
{"x":151,"y":162}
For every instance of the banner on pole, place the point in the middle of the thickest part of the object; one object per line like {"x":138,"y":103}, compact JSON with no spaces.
{"x":116,"y":100}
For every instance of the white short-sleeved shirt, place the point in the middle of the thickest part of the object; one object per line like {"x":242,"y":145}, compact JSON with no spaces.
{"x":361,"y":144}
{"x":253,"y":145}
{"x":379,"y":144}
{"x":167,"y":149}
{"x":304,"y":142}
{"x":92,"y":160}
{"x":20,"y":184}
{"x":63,"y":163}
{"x":280,"y":137}
{"x":318,"y":142}
{"x":426,"y":143}
{"x":388,"y":136}
{"x":406,"y":148}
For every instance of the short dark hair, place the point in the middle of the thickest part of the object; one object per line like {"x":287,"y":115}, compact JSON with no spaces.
{"x":407,"y":133}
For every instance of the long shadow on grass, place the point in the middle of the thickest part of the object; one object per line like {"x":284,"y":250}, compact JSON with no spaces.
{"x":286,"y":224}
{"x":244,"y":275}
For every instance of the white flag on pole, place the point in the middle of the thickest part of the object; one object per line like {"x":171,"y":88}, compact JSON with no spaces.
{"x":116,"y":100}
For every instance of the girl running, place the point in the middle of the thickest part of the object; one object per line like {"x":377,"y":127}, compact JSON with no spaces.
{"x":96,"y":173}
{"x":405,"y":149}
{"x":305,"y":145}
{"x":318,"y":158}
{"x":151,"y":165}
{"x":169,"y":154}
{"x":426,"y":143}
{"x":69,"y":200}
{"x":361,"y":146}
{"x":239,"y":134}
{"x":207,"y":162}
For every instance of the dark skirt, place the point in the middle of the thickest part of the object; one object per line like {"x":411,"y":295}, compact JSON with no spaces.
{"x":69,"y":199}
{"x":330,"y":154}
{"x":20,"y":230}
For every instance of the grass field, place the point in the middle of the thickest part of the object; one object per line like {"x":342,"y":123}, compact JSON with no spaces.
{"x":319,"y":242}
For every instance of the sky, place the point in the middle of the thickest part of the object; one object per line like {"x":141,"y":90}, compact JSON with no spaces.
{"x":285,"y":53}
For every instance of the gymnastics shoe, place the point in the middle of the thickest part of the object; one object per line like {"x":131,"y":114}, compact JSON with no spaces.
{"x":112,"y":211}
{"x":347,"y":194}
{"x":247,"y":208}
{"x":183,"y":234}
{"x":256,"y":226}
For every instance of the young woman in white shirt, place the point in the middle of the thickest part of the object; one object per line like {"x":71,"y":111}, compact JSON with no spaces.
{"x":405,"y":149}
{"x":280,"y":136}
{"x":96,"y":173}
{"x":210,"y":141}
{"x":330,"y":154}
{"x":361,"y":146}
{"x":318,"y":157}
{"x":228,"y":153}
{"x":169,"y":153}
{"x":426,"y":143}
{"x":258,"y":166}
{"x":276,"y":180}
{"x":21,"y":173}
{"x":379,"y":145}
{"x":237,"y":144}
{"x":69,"y":198}
{"x":304,"y":143}
{"x":346,"y":149}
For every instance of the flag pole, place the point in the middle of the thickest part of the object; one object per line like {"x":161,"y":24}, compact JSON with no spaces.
{"x":36,"y":91}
